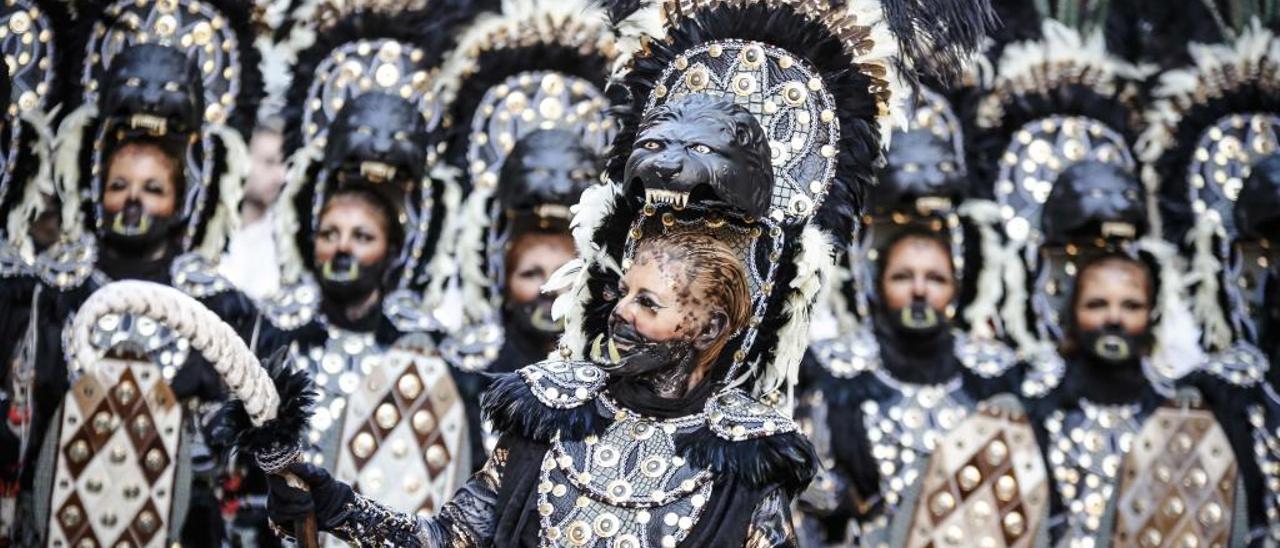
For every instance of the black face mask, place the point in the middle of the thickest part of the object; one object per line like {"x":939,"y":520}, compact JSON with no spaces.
{"x":625,"y":352}
{"x":1111,"y":345}
{"x":533,"y":319}
{"x":699,"y":143}
{"x":134,"y":231}
{"x":344,"y":279}
{"x":917,"y":320}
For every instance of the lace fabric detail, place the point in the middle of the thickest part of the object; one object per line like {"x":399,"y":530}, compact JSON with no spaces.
{"x":626,"y":487}
{"x":736,"y":416}
{"x":848,"y":357}
{"x":563,"y":385}
{"x":367,"y":523}
{"x":474,"y":347}
{"x":197,"y":276}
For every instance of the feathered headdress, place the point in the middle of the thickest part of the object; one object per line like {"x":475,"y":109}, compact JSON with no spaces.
{"x":358,"y":52}
{"x":533,"y":67}
{"x":222,"y":86}
{"x":1208,"y":127}
{"x":822,"y":81}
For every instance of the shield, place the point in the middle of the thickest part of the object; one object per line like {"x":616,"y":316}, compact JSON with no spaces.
{"x":1178,"y":483}
{"x":404,"y":437}
{"x":985,"y":486}
{"x":114,"y":475}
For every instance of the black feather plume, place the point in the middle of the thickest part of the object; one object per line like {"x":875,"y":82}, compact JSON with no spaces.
{"x":513,"y":408}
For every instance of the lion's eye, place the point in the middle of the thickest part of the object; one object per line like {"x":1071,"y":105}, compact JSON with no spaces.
{"x":910,"y":167}
{"x":133,"y":82}
{"x":651,"y":145}
{"x":171,"y":86}
{"x":702,"y":149}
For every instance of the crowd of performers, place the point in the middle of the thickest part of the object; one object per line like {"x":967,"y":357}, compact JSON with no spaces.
{"x":691,"y":273}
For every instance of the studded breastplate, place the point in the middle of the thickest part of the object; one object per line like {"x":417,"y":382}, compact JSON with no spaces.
{"x":1086,"y":450}
{"x":904,"y":428}
{"x":626,"y":488}
{"x":337,"y":367}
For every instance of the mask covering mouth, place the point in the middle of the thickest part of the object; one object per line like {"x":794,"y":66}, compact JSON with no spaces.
{"x":918,"y":318}
{"x":344,"y":278}
{"x":625,"y":352}
{"x":534,"y":318}
{"x":133,"y":228}
{"x":1110,"y":344}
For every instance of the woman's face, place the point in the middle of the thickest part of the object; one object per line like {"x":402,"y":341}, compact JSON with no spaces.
{"x":532,"y":260}
{"x":352,"y":227}
{"x":142,"y":174}
{"x":918,"y":268}
{"x":657,"y":301}
{"x":1113,"y":293}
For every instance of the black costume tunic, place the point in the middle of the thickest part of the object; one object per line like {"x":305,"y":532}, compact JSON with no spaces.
{"x":1089,"y":424}
{"x":590,"y":460}
{"x":877,"y":403}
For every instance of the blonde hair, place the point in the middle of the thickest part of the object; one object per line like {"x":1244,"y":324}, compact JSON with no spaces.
{"x":715,"y":267}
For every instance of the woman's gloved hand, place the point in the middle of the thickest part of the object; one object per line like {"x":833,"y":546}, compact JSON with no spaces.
{"x":289,"y":502}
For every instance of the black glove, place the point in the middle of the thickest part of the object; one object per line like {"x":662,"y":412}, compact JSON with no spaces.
{"x":327,"y":497}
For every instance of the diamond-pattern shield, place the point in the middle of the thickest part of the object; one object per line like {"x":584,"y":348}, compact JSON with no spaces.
{"x":115,"y":467}
{"x":1178,"y":484}
{"x":403,"y":433}
{"x":985,"y":486}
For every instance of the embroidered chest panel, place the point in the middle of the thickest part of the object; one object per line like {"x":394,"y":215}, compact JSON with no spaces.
{"x":1086,"y":450}
{"x":389,"y":422}
{"x":905,"y":428}
{"x":985,"y":484}
{"x":114,"y":475}
{"x":1178,"y":484}
{"x":626,"y":488}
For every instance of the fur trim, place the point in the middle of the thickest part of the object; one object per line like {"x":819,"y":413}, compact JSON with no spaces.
{"x":470,"y":253}
{"x":1014,"y":310}
{"x":226,"y":215}
{"x":982,"y":313}
{"x":786,"y":460}
{"x":298,"y":396}
{"x":35,"y":189}
{"x":1177,"y":348}
{"x":1204,"y":274}
{"x":513,"y":408}
{"x":594,"y":208}
{"x":442,"y":266}
{"x":815,"y":262}
{"x":66,"y":168}
{"x":292,"y":268}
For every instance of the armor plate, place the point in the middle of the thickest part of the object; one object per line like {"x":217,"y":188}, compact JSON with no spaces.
{"x":404,"y":433}
{"x":986,"y":484}
{"x":1179,"y":482}
{"x":115,"y":468}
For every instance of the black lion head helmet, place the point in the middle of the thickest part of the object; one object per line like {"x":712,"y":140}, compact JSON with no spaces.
{"x":1095,"y":200}
{"x":378,"y":139}
{"x":154,"y":90}
{"x":702,"y":143}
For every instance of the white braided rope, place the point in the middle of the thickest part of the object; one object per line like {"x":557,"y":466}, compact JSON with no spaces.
{"x":208,"y":334}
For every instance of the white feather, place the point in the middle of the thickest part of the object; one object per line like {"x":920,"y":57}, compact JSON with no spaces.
{"x":225,"y":217}
{"x":594,"y":207}
{"x":286,"y":217}
{"x":34,"y":190}
{"x":982,"y":313}
{"x":815,"y":262}
{"x":66,"y":167}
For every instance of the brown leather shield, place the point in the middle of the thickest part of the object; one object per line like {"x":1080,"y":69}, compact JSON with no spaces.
{"x":117,"y":451}
{"x":404,"y":436}
{"x":985,"y":484}
{"x":1178,"y":484}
